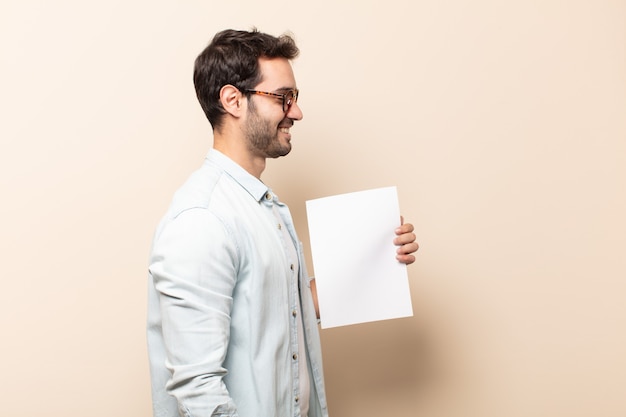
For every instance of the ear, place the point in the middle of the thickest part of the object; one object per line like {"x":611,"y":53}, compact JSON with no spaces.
{"x":232,"y":100}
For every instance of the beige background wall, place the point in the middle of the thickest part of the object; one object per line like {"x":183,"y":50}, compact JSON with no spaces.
{"x":503,"y":124}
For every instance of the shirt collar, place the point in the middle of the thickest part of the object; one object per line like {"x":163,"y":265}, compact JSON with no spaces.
{"x":249,"y":182}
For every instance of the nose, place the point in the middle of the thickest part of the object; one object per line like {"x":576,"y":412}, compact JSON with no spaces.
{"x":294,"y":112}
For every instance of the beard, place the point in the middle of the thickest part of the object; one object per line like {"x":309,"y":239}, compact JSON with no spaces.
{"x":262,"y":136}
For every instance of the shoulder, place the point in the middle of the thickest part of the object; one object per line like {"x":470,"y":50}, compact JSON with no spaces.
{"x":197,"y":190}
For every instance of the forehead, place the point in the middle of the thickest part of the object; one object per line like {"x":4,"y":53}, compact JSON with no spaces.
{"x":276,"y":74}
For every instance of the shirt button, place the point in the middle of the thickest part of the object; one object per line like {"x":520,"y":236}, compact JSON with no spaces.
{"x":291,"y":266}
{"x":295,"y":356}
{"x":280,"y":227}
{"x":268,"y":196}
{"x":297,"y":398}
{"x":294,"y":313}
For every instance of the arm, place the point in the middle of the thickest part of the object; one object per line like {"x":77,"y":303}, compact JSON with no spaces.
{"x":314,"y":294}
{"x":193,"y":270}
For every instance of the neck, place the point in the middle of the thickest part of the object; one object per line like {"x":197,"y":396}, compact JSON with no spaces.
{"x":239,"y":153}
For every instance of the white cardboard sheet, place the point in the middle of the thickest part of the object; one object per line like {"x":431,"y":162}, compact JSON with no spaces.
{"x":356,"y":272}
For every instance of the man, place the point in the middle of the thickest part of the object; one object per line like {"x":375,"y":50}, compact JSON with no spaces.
{"x":232,"y":324}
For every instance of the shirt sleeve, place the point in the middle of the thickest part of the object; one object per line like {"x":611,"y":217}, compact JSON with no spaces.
{"x":194,"y":268}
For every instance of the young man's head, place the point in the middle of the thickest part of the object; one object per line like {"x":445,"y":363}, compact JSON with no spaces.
{"x":233,"y":58}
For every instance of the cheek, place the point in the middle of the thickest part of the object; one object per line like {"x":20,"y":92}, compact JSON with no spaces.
{"x":273,"y":115}
{"x":268,"y":117}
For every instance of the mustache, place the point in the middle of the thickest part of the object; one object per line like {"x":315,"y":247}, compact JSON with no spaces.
{"x":286,"y":123}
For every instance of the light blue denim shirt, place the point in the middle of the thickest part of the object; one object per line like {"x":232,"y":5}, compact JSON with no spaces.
{"x":222,"y":306}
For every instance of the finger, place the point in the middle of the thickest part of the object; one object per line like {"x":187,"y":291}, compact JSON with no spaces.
{"x":404,"y":238}
{"x":408,"y":248}
{"x":406,"y":259}
{"x":405,"y":228}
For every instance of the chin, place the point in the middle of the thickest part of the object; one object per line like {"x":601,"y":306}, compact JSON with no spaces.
{"x":277,"y":153}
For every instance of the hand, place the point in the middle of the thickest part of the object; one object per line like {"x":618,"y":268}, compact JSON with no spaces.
{"x":405,"y":240}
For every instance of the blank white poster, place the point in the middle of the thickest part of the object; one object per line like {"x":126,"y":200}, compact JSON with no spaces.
{"x":357,"y":276}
